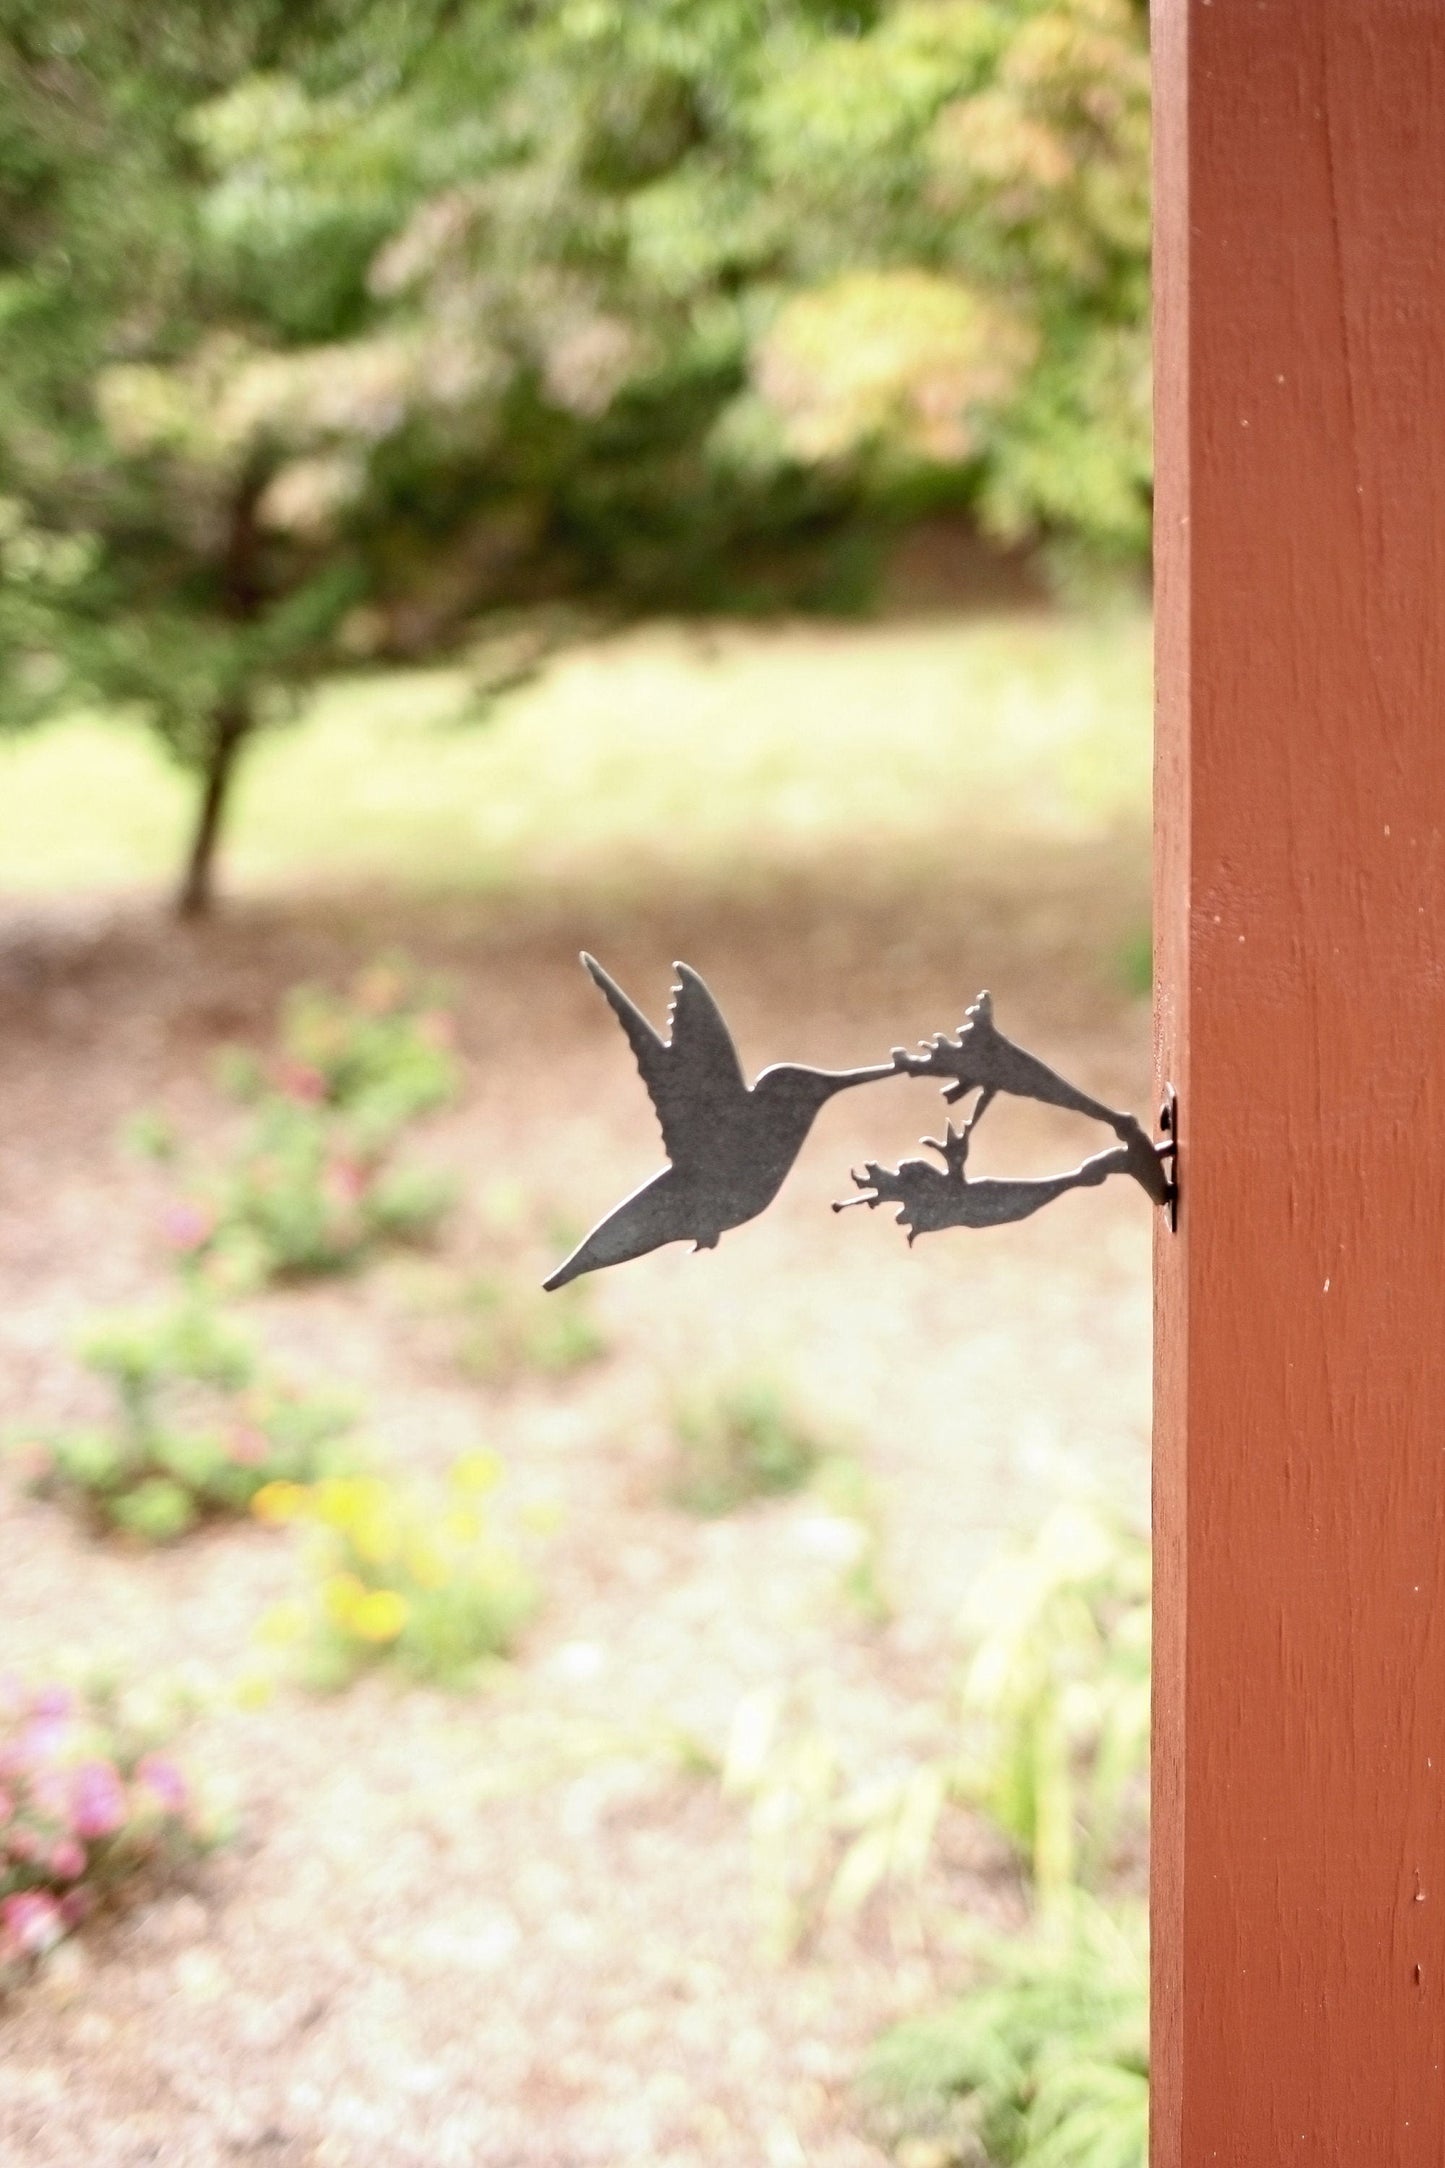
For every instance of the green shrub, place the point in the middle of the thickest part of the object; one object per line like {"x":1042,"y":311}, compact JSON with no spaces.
{"x":394,"y":1575}
{"x":199,"y":1427}
{"x":740,"y":1441}
{"x":149,"y":1135}
{"x":90,"y":1803}
{"x":824,"y":1840}
{"x":303,"y":1196}
{"x":512,"y":1327}
{"x":1043,"y":2064}
{"x":382,"y":1055}
{"x":1055,"y":1698}
{"x":313,"y":1186}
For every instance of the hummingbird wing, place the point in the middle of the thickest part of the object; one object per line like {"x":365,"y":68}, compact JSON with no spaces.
{"x":693,"y":1077}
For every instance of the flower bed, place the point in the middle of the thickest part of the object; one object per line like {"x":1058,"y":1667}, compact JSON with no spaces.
{"x":90,"y":1806}
{"x":199,"y":1427}
{"x":314,"y":1185}
{"x":392,"y":1574}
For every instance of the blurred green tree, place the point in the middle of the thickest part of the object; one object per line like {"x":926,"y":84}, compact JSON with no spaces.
{"x":139,"y":563}
{"x":328,"y":327}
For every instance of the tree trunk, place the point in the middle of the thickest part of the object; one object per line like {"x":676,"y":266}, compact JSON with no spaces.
{"x":241,"y":598}
{"x":197,"y":889}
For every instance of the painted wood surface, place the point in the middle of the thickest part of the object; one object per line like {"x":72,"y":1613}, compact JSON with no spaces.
{"x":1299,"y":1870}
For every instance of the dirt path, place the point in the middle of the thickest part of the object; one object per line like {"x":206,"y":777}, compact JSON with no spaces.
{"x":524,"y":1927}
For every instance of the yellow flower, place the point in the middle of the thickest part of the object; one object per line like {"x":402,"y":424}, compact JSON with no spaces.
{"x":348,"y":1502}
{"x":253,"y":1689}
{"x":462,"y":1527}
{"x":277,"y":1503}
{"x":334,"y":1500}
{"x":380,"y":1615}
{"x":478,"y":1472}
{"x":373,"y":1538}
{"x":343,"y":1595}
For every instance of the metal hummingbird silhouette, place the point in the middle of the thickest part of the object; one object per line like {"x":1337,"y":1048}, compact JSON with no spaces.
{"x":731,"y":1145}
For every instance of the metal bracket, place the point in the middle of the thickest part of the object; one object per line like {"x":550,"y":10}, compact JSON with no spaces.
{"x":731,"y":1144}
{"x":1168,"y":1149}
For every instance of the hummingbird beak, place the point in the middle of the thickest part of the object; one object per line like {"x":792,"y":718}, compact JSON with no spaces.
{"x":843,"y":1080}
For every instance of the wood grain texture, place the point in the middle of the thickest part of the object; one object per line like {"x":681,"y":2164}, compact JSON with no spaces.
{"x":1299,"y":1883}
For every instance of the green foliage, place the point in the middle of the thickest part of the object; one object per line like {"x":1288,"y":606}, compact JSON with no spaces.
{"x":1136,"y":963}
{"x":513,"y":1328}
{"x":199,"y":1427}
{"x":91,"y":1804}
{"x":382,"y":1055}
{"x":312,"y":1186}
{"x":739,"y":1441}
{"x":324,"y":333}
{"x":1043,"y":2064}
{"x":303,"y":1195}
{"x":137,"y":566}
{"x":824,"y":1840}
{"x":149,"y":1135}
{"x":435,"y":1588}
{"x":1055,"y":1697}
{"x":404,"y":1204}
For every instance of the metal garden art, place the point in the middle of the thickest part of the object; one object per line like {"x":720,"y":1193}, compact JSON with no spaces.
{"x":731,"y":1144}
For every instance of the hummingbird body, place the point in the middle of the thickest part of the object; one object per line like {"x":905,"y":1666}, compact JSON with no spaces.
{"x":730,"y":1144}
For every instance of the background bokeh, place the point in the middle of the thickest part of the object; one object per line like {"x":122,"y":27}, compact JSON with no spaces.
{"x":476,"y":482}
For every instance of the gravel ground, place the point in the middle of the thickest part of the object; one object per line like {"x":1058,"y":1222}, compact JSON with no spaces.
{"x":527,"y":1928}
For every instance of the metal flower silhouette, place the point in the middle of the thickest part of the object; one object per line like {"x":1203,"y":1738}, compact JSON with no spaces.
{"x":981,"y":1059}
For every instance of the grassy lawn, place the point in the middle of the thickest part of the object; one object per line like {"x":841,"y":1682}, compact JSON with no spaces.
{"x":672,"y":750}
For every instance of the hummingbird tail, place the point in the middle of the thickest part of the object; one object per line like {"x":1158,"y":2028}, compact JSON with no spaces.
{"x":642,"y":1222}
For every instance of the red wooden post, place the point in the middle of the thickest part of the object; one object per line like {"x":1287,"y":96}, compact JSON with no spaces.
{"x":1299,"y":1872}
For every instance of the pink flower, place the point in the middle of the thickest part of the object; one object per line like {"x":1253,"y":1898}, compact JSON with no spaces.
{"x":54,"y":1701}
{"x":247,"y":1446}
{"x":42,"y":1741}
{"x":301,"y":1080}
{"x":7,"y":1806}
{"x":344,"y":1181}
{"x":97,"y":1799}
{"x":74,"y":1905}
{"x":50,"y":1794}
{"x":67,"y":1859}
{"x":164,"y":1781}
{"x":186,"y":1225}
{"x":31,"y":1922}
{"x":26,"y":1845}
